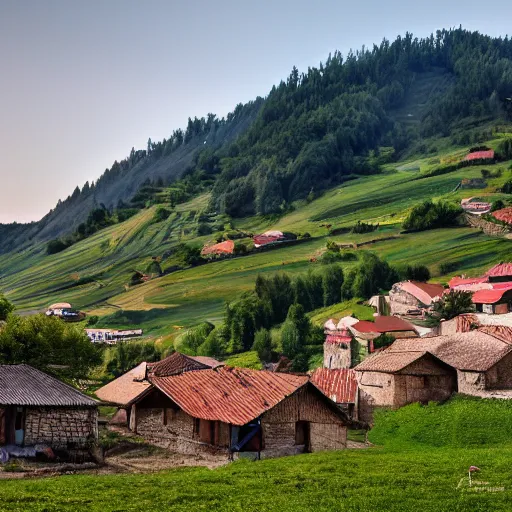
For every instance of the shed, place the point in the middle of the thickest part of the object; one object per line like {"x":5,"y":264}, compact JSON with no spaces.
{"x":36,"y":408}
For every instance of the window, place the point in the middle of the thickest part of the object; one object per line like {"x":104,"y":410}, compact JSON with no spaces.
{"x":196,"y":426}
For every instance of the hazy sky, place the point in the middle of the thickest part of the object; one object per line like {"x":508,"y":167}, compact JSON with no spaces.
{"x":82,"y":81}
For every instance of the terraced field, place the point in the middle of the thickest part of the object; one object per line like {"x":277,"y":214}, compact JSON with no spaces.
{"x":106,"y":261}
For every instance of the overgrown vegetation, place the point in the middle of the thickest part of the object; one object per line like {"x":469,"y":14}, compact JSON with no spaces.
{"x":429,"y":215}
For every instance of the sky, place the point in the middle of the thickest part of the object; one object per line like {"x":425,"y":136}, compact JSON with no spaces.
{"x":84,"y":81}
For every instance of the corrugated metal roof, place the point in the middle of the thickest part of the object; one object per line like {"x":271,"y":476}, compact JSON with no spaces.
{"x":339,"y":385}
{"x":20,"y":384}
{"x":178,"y":363}
{"x":127,"y":388}
{"x":230,"y":395}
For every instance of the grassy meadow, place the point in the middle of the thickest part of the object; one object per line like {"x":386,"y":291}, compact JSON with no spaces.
{"x":420,"y":462}
{"x":94,"y":274}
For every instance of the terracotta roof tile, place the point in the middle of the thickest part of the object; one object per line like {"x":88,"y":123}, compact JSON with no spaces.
{"x":227,"y":247}
{"x":20,"y":384}
{"x":339,"y":385}
{"x":501,"y":269}
{"x":179,"y":363}
{"x":478,"y":155}
{"x":230,"y":395}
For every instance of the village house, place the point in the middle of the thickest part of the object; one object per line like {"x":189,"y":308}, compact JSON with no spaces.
{"x":196,"y":405}
{"x":497,"y":301}
{"x":337,"y":346}
{"x":36,"y":408}
{"x":226,"y":248}
{"x":236,"y":410}
{"x":127,"y":389}
{"x":340,"y":386}
{"x":394,"y":379}
{"x":413,"y":298}
{"x":112,"y":336}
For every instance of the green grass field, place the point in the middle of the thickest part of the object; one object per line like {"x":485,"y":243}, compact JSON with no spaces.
{"x":163,"y":306}
{"x":413,"y":470}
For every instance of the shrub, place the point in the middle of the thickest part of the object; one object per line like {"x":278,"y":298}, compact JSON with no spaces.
{"x":263,"y":344}
{"x":363,"y":227}
{"x":415,"y":273}
{"x":161,"y":214}
{"x":55,"y":246}
{"x":447,"y":267}
{"x":507,"y":187}
{"x":92,"y":320}
{"x":429,"y":215}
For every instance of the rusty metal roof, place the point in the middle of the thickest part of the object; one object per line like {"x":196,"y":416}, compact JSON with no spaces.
{"x":20,"y":384}
{"x":339,"y":385}
{"x":178,"y":363}
{"x":230,"y":395}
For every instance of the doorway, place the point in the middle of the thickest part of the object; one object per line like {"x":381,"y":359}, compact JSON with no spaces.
{"x":302,"y":435}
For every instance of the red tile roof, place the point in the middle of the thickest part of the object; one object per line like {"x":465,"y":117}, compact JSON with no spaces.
{"x":478,"y":155}
{"x":339,"y":385}
{"x":383,"y":324}
{"x":461,"y":281}
{"x":424,"y":292}
{"x":504,"y":215}
{"x":227,"y":247}
{"x":500,"y":270}
{"x":230,"y":395}
{"x":341,"y":337}
{"x":491,"y":296}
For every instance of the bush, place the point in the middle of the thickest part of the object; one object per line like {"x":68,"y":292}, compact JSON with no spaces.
{"x":429,"y":215}
{"x":415,"y":273}
{"x":507,"y":187}
{"x":263,"y":345}
{"x":497,"y":205}
{"x":447,"y":267}
{"x":204,"y":229}
{"x":161,"y":214}
{"x":92,"y":320}
{"x":363,"y":227}
{"x":55,"y":246}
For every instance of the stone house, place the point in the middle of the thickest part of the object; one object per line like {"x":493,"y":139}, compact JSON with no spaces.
{"x":413,"y":297}
{"x":36,"y":408}
{"x":337,"y":349}
{"x":239,"y":412}
{"x":127,"y":389}
{"x":394,"y":379}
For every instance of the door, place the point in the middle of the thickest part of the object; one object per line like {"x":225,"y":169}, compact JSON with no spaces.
{"x":3,"y":433}
{"x":302,"y":434}
{"x":19,"y":426}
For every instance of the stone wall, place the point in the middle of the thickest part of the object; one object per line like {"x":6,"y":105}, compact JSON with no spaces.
{"x":176,"y":431}
{"x":337,"y":355}
{"x":471,"y":383}
{"x":401,"y":301}
{"x":489,"y":228}
{"x":61,"y":427}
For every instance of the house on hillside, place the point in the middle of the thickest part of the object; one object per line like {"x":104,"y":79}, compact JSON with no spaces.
{"x":475,"y":207}
{"x":394,"y":379}
{"x":340,"y":386}
{"x":480,"y":156}
{"x":413,"y":298}
{"x":130,"y":387}
{"x":236,"y":410}
{"x":221,"y":249}
{"x":64,"y":311}
{"x":36,"y":408}
{"x":337,"y":346}
{"x":500,"y":273}
{"x":269,"y":238}
{"x":496,"y":301}
{"x":112,"y":336}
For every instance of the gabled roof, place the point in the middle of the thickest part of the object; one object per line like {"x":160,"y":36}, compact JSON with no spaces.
{"x":473,"y":283}
{"x":389,"y":362}
{"x":500,"y":270}
{"x":501,"y":332}
{"x":178,"y":363}
{"x":127,"y":388}
{"x":471,"y":351}
{"x":227,"y":247}
{"x":231,"y":395}
{"x":339,"y":385}
{"x":424,"y":292}
{"x":60,"y":305}
{"x":383,"y":324}
{"x":20,"y":384}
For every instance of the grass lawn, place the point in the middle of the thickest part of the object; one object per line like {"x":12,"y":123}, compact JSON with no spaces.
{"x":413,"y":471}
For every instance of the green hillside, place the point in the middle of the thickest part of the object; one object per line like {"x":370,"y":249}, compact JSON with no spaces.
{"x":432,"y":477}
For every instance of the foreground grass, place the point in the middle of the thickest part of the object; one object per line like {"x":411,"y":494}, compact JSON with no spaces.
{"x":423,"y":466}
{"x":353,"y":480}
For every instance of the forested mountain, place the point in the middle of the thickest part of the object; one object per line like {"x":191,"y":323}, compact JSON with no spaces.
{"x":314,"y":130}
